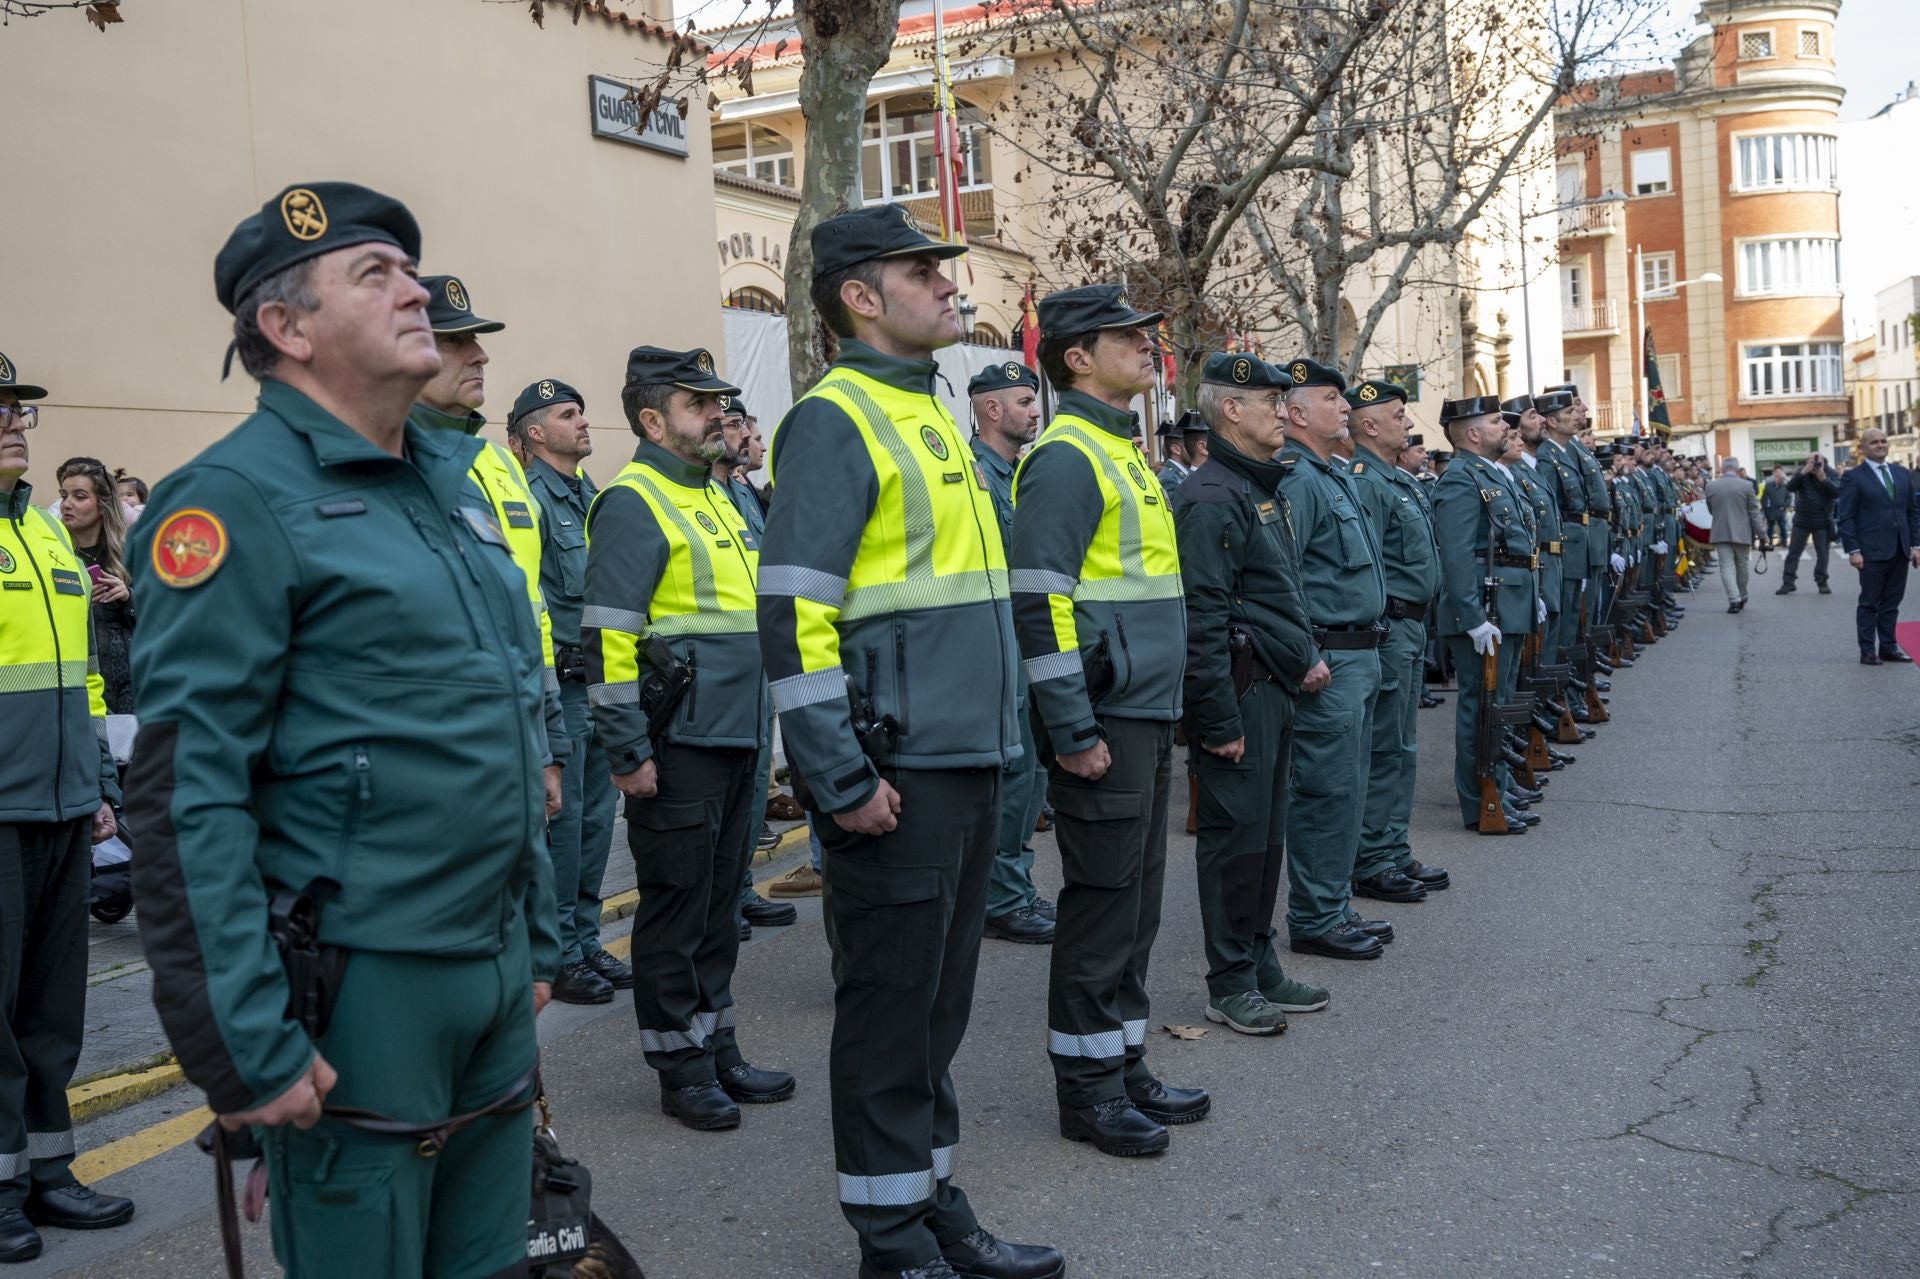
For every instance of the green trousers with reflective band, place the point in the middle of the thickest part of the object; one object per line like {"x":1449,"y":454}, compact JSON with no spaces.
{"x":903,"y":914}
{"x":1243,"y":822}
{"x":1331,"y":754}
{"x":580,"y":836}
{"x":1466,"y":717}
{"x":1113,"y":860}
{"x":45,"y":869}
{"x":420,"y":1039}
{"x":1023,"y":791}
{"x":688,"y":853}
{"x":1395,"y":752}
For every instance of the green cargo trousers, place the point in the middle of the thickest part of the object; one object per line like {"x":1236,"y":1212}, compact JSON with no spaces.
{"x":1023,"y":792}
{"x":1466,"y":717}
{"x":1113,"y":859}
{"x":904,"y":913}
{"x":580,"y":836}
{"x":1395,"y":752}
{"x":1243,"y":822}
{"x":689,"y":848}
{"x":417,"y":1038}
{"x":1332,"y":740}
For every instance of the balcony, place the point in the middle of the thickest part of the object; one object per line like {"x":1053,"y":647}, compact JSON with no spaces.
{"x":1611,"y":418}
{"x":1589,"y":319}
{"x":1590,"y":219}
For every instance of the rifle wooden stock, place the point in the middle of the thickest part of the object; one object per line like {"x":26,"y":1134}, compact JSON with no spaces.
{"x":1493,"y":813}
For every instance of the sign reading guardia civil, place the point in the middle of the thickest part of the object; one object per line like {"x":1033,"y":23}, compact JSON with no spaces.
{"x":617,"y":116}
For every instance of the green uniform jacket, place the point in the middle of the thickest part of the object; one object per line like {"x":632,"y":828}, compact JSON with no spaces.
{"x":1669,"y":504}
{"x":1626,"y":516}
{"x":1402,"y":525}
{"x":1239,"y":565}
{"x":1538,"y":485}
{"x":353,"y":693}
{"x":1570,"y":490}
{"x":1470,"y":502}
{"x":1339,"y":555}
{"x":1599,"y":508}
{"x":563,"y":545}
{"x":54,"y":762}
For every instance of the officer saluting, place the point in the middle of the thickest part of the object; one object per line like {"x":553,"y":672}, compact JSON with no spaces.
{"x":57,"y":791}
{"x":1249,"y":647}
{"x":888,"y":638}
{"x":327,"y":546}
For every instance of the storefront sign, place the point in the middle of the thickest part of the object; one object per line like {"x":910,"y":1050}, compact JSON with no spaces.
{"x":1789,"y":453}
{"x":617,"y":116}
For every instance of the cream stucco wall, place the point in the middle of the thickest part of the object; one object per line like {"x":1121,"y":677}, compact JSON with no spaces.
{"x":148,"y":142}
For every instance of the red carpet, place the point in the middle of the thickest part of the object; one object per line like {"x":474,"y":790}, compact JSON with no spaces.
{"x":1908,"y":633}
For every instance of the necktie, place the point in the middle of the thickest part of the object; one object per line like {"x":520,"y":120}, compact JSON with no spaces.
{"x":1886,"y":478}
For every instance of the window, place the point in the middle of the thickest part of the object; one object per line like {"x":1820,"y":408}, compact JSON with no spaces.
{"x":1669,"y":366}
{"x":1786,"y":161}
{"x":754,"y":151}
{"x":1789,"y":370}
{"x":1570,"y":182}
{"x":1793,"y":267}
{"x":1652,"y":172}
{"x":897,"y":160}
{"x":1573,"y":284}
{"x":1656,"y":274}
{"x":1756,"y":44}
{"x":1809,"y":43}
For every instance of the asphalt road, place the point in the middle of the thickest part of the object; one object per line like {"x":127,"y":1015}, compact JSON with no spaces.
{"x":1668,"y":1033}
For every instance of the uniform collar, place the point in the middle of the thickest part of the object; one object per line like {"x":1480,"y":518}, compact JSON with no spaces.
{"x":542,"y":472}
{"x":13,"y":505}
{"x":1113,"y":421}
{"x":467,"y":423}
{"x":989,"y":457}
{"x":334,"y":443}
{"x":902,"y":375}
{"x":1361,"y":453}
{"x":1265,"y":474}
{"x":687,"y":474}
{"x":1301,"y":453}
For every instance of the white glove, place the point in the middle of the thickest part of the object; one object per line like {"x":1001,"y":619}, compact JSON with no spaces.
{"x":1541,"y":614}
{"x":1619,"y":565}
{"x":1485,"y":637}
{"x":1660,"y":548}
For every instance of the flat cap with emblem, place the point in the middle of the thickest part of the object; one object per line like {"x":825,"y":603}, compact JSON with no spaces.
{"x":1236,"y":368}
{"x":688,"y":370}
{"x":10,"y":381}
{"x":543,"y":394}
{"x":880,"y":231}
{"x":999,"y":377}
{"x":1375,"y":391}
{"x":1304,"y":372}
{"x":1552,"y":401}
{"x":1091,"y":308}
{"x":450,"y":307}
{"x":303,"y":222}
{"x":737,"y":406}
{"x":1472,"y":406}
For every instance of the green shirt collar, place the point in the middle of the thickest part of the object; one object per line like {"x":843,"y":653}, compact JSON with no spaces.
{"x":334,"y":442}
{"x":1301,"y":453}
{"x":1114,"y":421}
{"x":990,"y":458}
{"x":13,"y":505}
{"x":1361,"y":453}
{"x":693,"y":475}
{"x":468,"y":423}
{"x":902,"y":375}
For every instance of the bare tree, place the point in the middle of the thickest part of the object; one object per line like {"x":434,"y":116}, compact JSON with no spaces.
{"x":101,"y":13}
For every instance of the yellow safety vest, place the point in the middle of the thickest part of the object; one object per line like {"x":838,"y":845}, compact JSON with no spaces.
{"x":504,"y":482}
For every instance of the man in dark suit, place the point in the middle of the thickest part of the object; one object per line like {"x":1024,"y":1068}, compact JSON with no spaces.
{"x":1879,"y":514}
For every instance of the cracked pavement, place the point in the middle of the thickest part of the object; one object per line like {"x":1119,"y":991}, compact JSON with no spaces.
{"x":1669,"y":1033}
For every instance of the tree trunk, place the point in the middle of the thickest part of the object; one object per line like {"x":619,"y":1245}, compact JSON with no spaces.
{"x":844,"y":42}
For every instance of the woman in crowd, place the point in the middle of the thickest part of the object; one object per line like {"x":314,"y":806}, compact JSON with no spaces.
{"x":90,"y":508}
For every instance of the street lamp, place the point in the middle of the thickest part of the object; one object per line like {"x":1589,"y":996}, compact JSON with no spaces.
{"x":1640,"y":323}
{"x":970,"y":315}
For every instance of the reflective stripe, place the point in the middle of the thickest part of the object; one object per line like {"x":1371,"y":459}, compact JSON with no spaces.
{"x":1140,"y":586}
{"x":802,"y":582}
{"x":890,"y":1190}
{"x":1132,"y":562}
{"x":707,"y":622}
{"x":12,"y":1166}
{"x":916,"y":505}
{"x":924,"y":590}
{"x":49,"y":1145}
{"x":942,"y":1162}
{"x":1135,"y":1031}
{"x":37,"y":677}
{"x":549,"y":680}
{"x":700,"y":563}
{"x":1108,"y":1043}
{"x":626,"y":693}
{"x":796,"y":691}
{"x":672,"y":1041}
{"x":602,"y":617}
{"x":1053,"y":666}
{"x":1042,"y":581}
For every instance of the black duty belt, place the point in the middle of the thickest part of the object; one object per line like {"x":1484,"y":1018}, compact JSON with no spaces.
{"x":570,"y":662}
{"x":1503,"y":560}
{"x":1574,"y":515}
{"x":1406,"y":610}
{"x":1363,"y":635}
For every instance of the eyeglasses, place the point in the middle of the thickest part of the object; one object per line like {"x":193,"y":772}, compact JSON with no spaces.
{"x":19,"y":417}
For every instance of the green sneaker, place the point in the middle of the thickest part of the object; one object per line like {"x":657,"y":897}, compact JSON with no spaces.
{"x":1247,"y":1012}
{"x":1293,"y":996}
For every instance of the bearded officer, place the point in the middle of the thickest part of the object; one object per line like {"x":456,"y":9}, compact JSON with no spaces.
{"x":1385,"y":868}
{"x":327,"y":546}
{"x":1346,"y":597}
{"x":883,"y":596}
{"x":1249,"y":648}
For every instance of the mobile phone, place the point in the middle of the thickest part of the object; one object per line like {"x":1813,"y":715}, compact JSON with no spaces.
{"x":94,"y":572}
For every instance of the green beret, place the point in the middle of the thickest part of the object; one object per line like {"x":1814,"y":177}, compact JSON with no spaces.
{"x":1374,"y":391}
{"x":999,"y":377}
{"x":450,"y":307}
{"x":10,"y":381}
{"x":688,"y":370}
{"x":542,"y":394}
{"x":1091,"y":308}
{"x":736,"y":406}
{"x":303,"y":222}
{"x":1305,"y":372}
{"x":1235,"y":368}
{"x":878,"y":231}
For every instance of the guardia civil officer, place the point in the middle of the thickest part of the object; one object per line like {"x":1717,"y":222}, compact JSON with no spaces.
{"x":57,"y":791}
{"x":1385,"y":868}
{"x":1102,"y":623}
{"x":888,"y":637}
{"x":1542,"y":480}
{"x":1482,"y":534}
{"x":1005,"y":399}
{"x":1346,"y":599}
{"x":670,"y":592}
{"x":549,"y":422}
{"x":1568,"y":485}
{"x":327,"y":550}
{"x":1175,"y":470}
{"x":1567,"y":428}
{"x":1249,"y":648}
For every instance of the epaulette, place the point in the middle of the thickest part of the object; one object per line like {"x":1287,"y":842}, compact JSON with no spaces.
{"x":1359,"y":467}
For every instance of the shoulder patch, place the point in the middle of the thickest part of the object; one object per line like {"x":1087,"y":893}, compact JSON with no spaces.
{"x":1359,"y":468}
{"x":189,"y":548}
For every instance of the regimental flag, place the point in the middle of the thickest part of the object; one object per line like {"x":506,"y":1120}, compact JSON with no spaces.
{"x":1029,"y":330}
{"x":949,"y":160}
{"x":1657,"y":413}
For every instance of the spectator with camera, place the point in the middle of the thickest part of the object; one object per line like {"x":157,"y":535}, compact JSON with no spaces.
{"x":1814,"y":493}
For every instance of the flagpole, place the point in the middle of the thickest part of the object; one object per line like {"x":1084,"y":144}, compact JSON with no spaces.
{"x":1640,"y":331}
{"x":941,"y":123}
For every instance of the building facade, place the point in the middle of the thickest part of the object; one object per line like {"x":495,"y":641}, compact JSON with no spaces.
{"x":1879,"y":206}
{"x":1883,"y":373}
{"x":1725,"y":166}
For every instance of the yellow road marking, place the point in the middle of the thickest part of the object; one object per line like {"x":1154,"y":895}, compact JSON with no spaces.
{"x":115,"y":1091}
{"x":118,"y":1156}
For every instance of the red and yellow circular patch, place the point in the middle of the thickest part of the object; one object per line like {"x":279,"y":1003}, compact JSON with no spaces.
{"x":189,"y":548}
